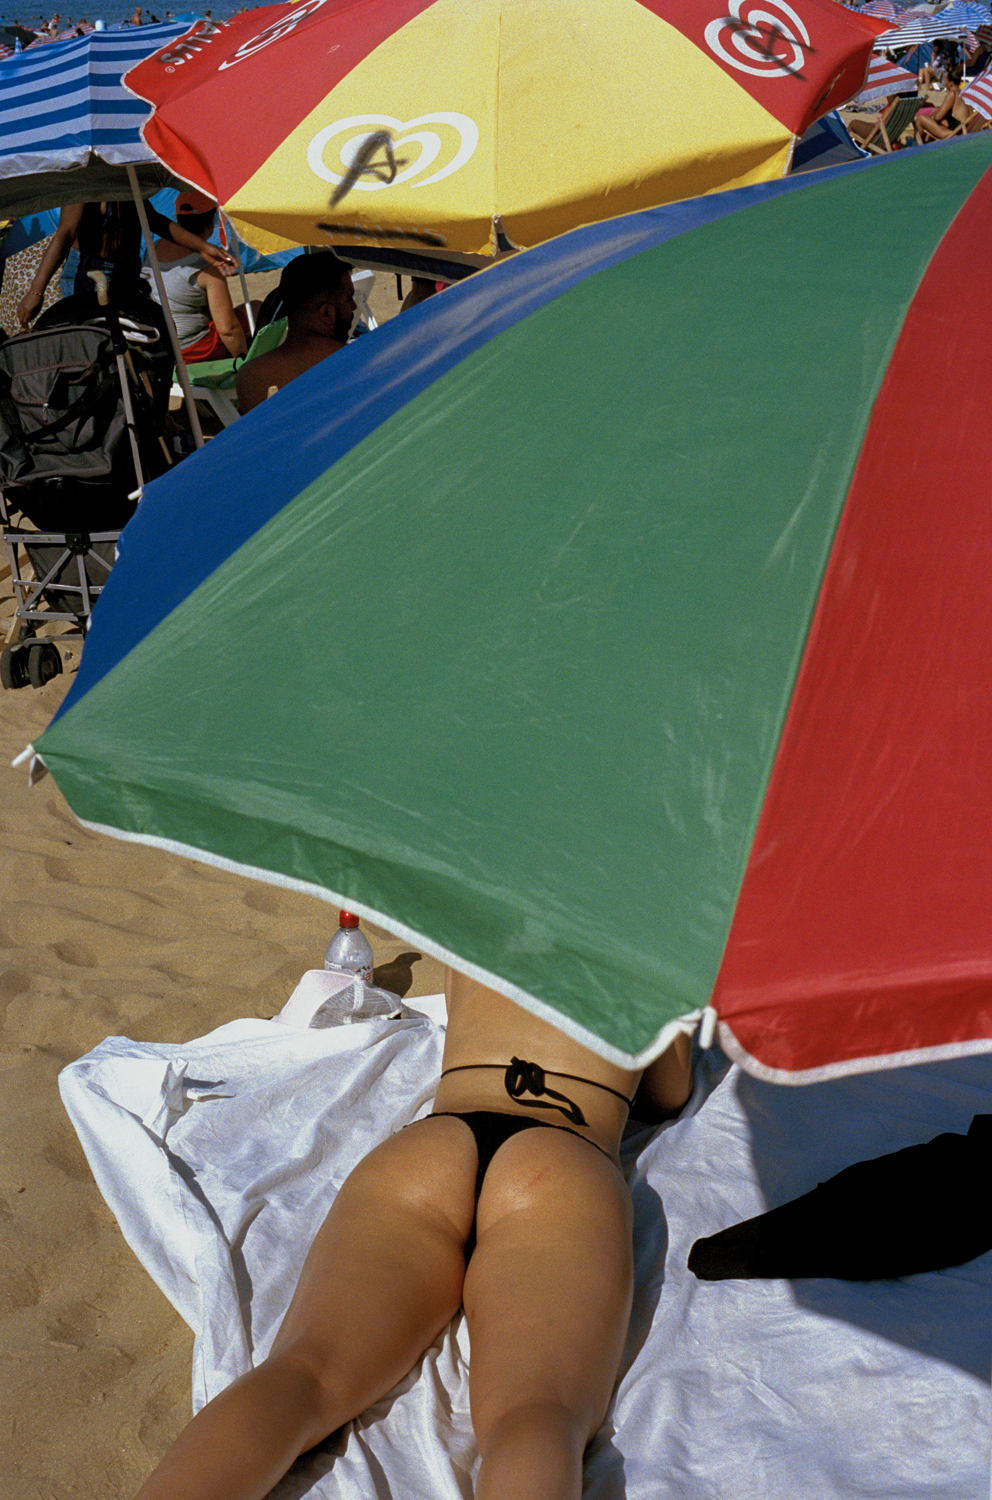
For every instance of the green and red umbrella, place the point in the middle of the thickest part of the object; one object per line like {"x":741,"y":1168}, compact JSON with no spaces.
{"x":617,"y":625}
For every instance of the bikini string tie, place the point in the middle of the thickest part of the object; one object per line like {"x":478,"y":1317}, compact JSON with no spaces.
{"x":527,"y":1078}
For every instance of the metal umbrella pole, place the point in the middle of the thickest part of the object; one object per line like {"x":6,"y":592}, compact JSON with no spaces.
{"x":234,"y":245}
{"x":181,"y":372}
{"x":120,"y":353}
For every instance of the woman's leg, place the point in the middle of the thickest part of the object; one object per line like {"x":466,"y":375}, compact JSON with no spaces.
{"x":547,"y":1298}
{"x":382,"y":1279}
{"x":934,"y":129}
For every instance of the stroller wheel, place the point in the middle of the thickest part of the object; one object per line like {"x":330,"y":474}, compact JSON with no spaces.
{"x":44,"y":663}
{"x":14,"y":666}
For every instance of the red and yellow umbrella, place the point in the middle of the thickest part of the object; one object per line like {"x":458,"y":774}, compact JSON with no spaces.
{"x":440,"y":123}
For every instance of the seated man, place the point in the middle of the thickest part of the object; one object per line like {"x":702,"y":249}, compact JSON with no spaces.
{"x":319,"y":302}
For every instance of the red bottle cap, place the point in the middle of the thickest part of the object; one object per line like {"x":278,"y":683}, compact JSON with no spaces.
{"x":347,"y":919}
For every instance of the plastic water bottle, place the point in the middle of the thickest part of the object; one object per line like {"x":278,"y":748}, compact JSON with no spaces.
{"x":349,"y":950}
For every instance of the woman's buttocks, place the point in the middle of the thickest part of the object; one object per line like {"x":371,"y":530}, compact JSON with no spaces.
{"x":486,"y":1028}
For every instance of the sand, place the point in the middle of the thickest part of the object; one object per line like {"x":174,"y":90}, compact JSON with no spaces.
{"x":105,"y":938}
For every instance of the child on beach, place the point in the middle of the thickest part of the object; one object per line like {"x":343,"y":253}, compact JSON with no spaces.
{"x":508,"y":1201}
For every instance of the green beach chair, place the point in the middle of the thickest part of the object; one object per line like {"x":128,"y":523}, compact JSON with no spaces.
{"x":214,"y":378}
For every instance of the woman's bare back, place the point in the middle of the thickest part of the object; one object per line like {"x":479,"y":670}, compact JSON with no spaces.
{"x":486,"y":1028}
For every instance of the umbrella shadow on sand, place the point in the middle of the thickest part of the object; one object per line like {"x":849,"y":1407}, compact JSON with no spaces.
{"x":801,"y":1136}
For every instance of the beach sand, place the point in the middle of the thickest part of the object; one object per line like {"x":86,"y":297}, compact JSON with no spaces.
{"x":106,"y":938}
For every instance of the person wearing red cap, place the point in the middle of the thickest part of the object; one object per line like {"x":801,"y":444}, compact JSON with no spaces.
{"x":108,"y":238}
{"x":201,"y":305}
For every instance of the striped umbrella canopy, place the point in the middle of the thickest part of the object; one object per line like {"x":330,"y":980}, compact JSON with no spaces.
{"x":978,"y":94}
{"x":920,"y":29}
{"x":883,"y":8}
{"x":435,"y":123}
{"x":68,"y":127}
{"x":598,"y":625}
{"x":967,"y":12}
{"x":885,"y":78}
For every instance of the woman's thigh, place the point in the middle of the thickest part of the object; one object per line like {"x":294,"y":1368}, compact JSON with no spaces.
{"x":384,"y":1274}
{"x":548,"y":1291}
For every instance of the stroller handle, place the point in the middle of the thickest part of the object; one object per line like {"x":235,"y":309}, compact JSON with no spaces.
{"x":102,"y":289}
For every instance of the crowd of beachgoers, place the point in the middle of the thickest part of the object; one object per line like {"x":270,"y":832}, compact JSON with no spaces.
{"x":38,"y":29}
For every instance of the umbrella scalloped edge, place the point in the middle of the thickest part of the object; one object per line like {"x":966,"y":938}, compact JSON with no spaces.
{"x":681,"y":1025}
{"x":883,"y":1062}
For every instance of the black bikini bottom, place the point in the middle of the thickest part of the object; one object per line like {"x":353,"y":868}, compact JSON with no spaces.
{"x":490,"y":1129}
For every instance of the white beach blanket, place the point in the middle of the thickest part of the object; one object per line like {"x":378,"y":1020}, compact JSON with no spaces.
{"x":221,"y":1156}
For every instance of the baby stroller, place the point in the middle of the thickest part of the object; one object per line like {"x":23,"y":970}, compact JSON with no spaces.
{"x":82,"y":420}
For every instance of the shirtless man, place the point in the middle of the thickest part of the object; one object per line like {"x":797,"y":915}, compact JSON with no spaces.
{"x":509,"y":1201}
{"x":319,"y":301}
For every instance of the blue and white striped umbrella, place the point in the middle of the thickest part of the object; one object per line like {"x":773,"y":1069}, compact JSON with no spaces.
{"x":968,"y":12}
{"x":68,"y":126}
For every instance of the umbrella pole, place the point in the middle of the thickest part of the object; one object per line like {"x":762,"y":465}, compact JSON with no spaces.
{"x":123,"y":359}
{"x":181,"y":372}
{"x":235,"y":248}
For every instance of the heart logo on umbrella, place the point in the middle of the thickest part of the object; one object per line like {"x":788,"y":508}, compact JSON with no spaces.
{"x":760,"y":41}
{"x":366,"y":126}
{"x":272,"y":33}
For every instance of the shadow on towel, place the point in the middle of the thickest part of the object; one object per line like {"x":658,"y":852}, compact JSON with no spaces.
{"x":807,"y":1134}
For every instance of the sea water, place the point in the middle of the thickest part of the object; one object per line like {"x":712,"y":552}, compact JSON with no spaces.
{"x":113,"y":12}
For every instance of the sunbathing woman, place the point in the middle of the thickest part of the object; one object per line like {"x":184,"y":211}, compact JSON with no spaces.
{"x":942,"y":121}
{"x":509,"y":1201}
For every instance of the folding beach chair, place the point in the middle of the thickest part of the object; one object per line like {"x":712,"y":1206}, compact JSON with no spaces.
{"x":81,"y":431}
{"x":892,"y":126}
{"x":976,"y":121}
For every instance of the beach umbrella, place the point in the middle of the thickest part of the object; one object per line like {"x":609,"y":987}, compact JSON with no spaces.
{"x":604,"y":626}
{"x":69,"y":130}
{"x":978,"y":94}
{"x":968,"y":12}
{"x":458,"y":127}
{"x":69,"y":133}
{"x":882,"y":8}
{"x":20,"y":34}
{"x":886,"y":78}
{"x":914,"y":32}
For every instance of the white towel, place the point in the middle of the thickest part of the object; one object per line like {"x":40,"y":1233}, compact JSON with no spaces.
{"x":220,"y":1158}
